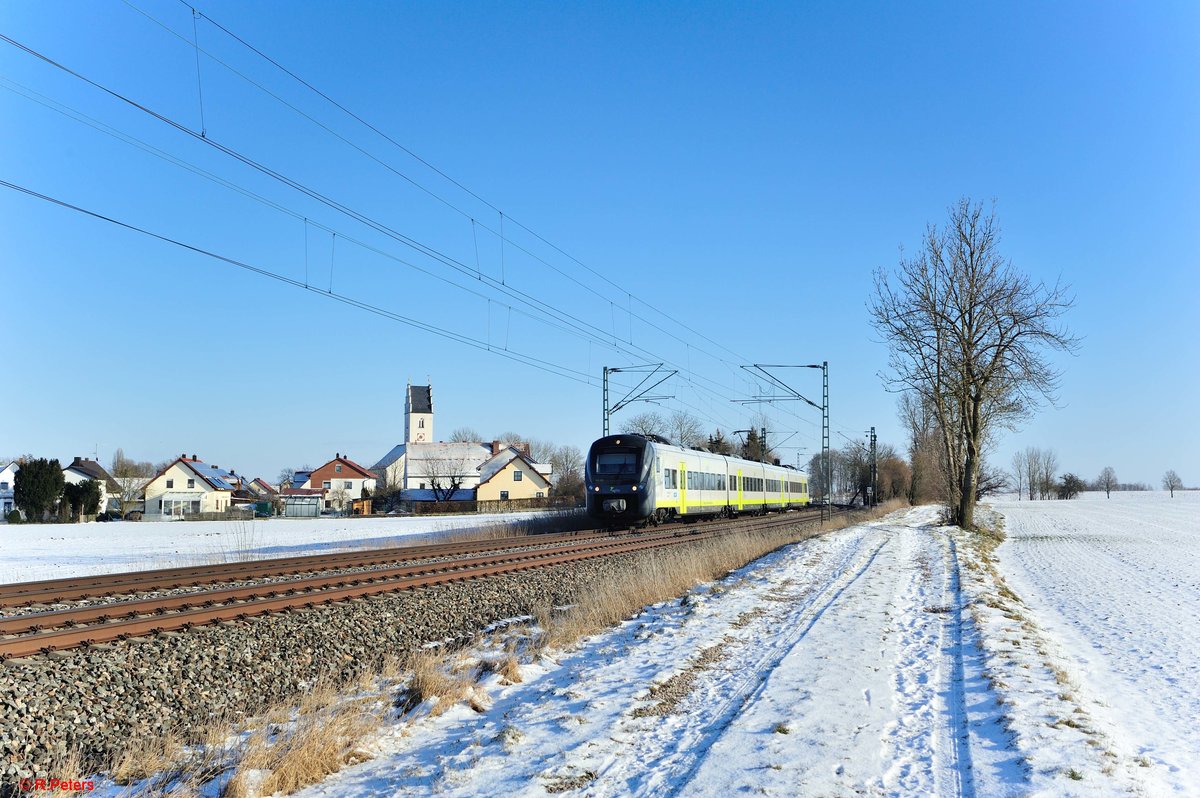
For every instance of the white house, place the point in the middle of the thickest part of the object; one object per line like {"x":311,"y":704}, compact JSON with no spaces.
{"x":8,"y":477}
{"x":81,"y":469}
{"x":189,"y":486}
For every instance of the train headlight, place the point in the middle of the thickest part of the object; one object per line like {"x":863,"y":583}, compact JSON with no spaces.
{"x":635,"y":488}
{"x":596,"y":488}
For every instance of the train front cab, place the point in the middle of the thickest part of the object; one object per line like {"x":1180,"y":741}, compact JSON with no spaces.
{"x":618,"y":474}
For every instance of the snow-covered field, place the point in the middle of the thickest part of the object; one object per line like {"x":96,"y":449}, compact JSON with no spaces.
{"x":897,"y":658}
{"x":1115,"y":583}
{"x":52,"y":551}
{"x":892,"y":658}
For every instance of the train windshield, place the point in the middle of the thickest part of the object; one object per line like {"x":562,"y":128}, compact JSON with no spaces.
{"x":617,"y":463}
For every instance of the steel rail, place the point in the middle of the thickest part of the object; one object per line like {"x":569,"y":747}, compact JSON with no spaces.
{"x":262,"y":599}
{"x":18,"y":594}
{"x":45,"y":642}
{"x":16,"y":624}
{"x":48,"y":591}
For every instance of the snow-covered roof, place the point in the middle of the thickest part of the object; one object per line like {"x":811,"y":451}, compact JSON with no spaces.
{"x":472,"y":455}
{"x":395,"y":454}
{"x":505,"y":456}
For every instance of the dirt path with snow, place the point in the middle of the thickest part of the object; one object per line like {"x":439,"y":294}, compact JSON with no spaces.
{"x":839,"y":666}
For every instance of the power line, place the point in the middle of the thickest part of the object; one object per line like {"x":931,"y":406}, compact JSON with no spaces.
{"x":530,"y":360}
{"x":453,"y":181}
{"x":543,"y":307}
{"x":500,"y":234}
{"x":552,"y":313}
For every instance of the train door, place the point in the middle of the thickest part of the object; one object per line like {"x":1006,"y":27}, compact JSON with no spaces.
{"x":741,"y":502}
{"x":683,"y":485}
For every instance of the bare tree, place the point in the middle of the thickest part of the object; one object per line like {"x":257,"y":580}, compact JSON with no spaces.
{"x":1172,"y":482}
{"x":966,"y":333}
{"x":1019,"y":466}
{"x":131,"y":476}
{"x":922,"y":448}
{"x":1107,"y":481}
{"x":684,"y":429}
{"x":541,"y":451}
{"x":991,"y":481}
{"x":338,"y":497}
{"x":567,"y":473}
{"x":1033,"y":465}
{"x":464,"y":435}
{"x":1046,"y":472}
{"x":649,"y":423}
{"x":445,"y":474}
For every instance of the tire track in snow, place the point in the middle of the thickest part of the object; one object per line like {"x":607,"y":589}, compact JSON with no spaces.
{"x":923,"y":745}
{"x":681,"y":752}
{"x":958,"y":730}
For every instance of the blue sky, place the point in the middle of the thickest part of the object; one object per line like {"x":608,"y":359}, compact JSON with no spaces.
{"x":708,"y":185}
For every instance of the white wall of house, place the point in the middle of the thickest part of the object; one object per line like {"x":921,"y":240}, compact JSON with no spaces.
{"x":8,"y":477}
{"x":182,"y":491}
{"x":350,"y":485}
{"x":75,"y":478}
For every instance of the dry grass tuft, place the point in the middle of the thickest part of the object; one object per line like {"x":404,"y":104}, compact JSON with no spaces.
{"x":507,"y":666}
{"x":179,"y":763}
{"x":670,"y":573}
{"x":431,"y":678}
{"x":327,"y":734}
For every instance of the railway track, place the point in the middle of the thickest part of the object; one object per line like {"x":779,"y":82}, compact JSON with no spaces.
{"x":43,"y":631}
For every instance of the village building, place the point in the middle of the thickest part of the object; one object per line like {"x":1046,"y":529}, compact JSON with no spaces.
{"x":189,"y":486}
{"x":340,"y":481}
{"x":81,"y":469}
{"x":426,"y":470}
{"x":8,"y":478}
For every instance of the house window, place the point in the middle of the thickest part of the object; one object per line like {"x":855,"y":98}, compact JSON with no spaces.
{"x":327,"y":484}
{"x":420,"y":423}
{"x":327,"y":505}
{"x":517,"y":476}
{"x":422,"y":486}
{"x":503,"y":495}
{"x":337,"y":468}
{"x":191,"y":483}
{"x":3,"y":486}
{"x":170,"y":484}
{"x":540,"y":494}
{"x":347,"y":484}
{"x":196,"y":506}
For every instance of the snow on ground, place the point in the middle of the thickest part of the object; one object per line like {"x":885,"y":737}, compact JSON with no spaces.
{"x":836,"y":666}
{"x":1115,"y":585}
{"x":894,"y":658}
{"x":52,"y":551}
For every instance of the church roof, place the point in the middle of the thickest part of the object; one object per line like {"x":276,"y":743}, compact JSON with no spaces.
{"x":420,"y":398}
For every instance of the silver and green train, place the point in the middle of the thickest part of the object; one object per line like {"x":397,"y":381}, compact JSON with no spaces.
{"x":634,"y":479}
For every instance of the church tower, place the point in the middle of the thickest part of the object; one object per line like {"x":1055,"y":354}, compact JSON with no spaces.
{"x":418,"y":414}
